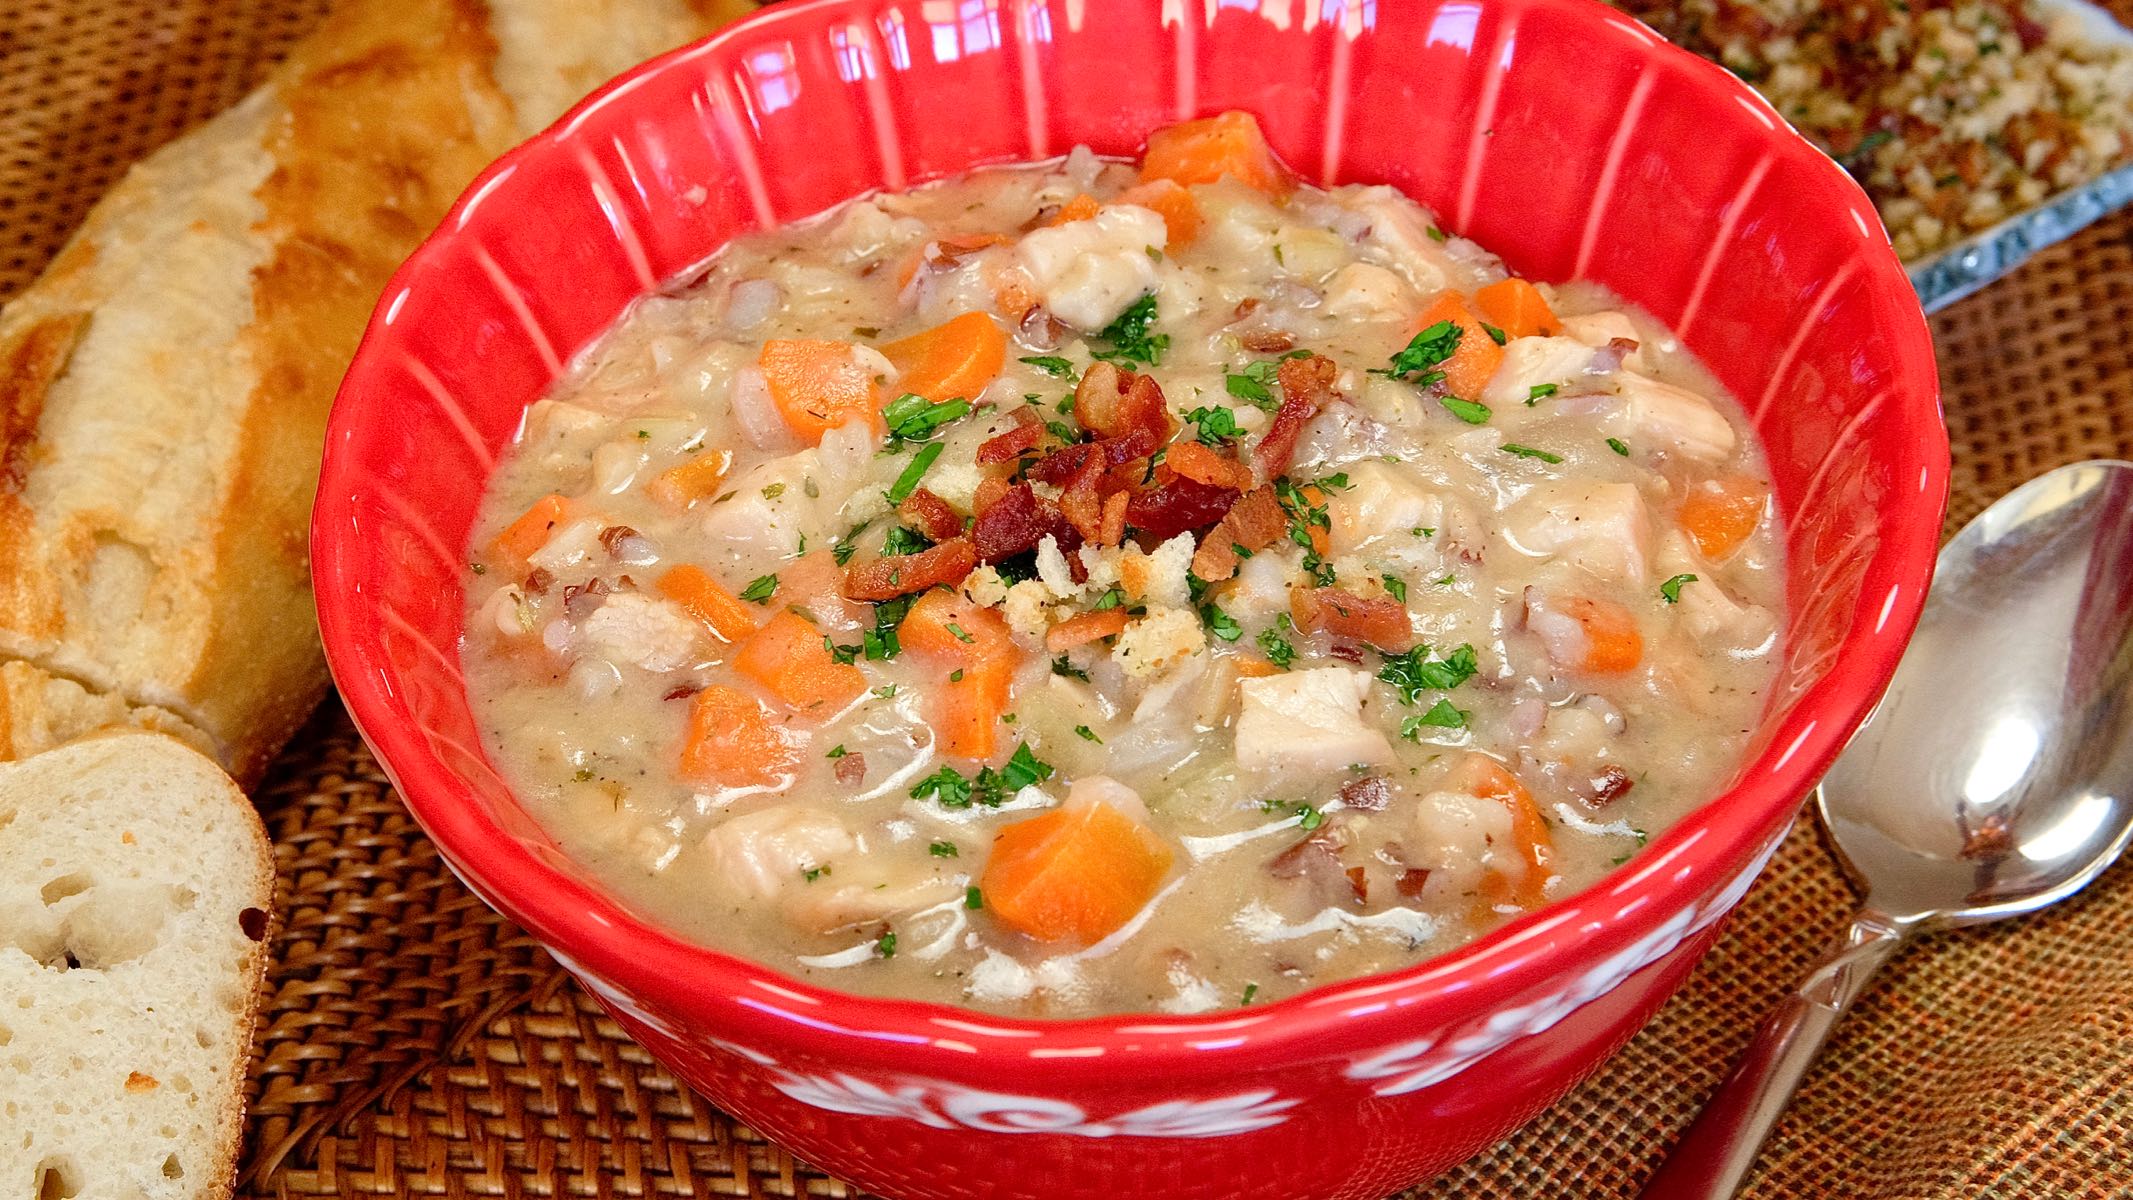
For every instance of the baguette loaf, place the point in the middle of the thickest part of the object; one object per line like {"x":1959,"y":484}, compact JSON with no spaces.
{"x":135,"y":891}
{"x":164,"y":385}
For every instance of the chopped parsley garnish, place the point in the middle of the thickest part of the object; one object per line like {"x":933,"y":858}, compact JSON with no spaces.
{"x":1441,"y":715}
{"x":1530,"y":452}
{"x":947,"y":787}
{"x":881,"y":643}
{"x":1061,"y":430}
{"x":773,"y":491}
{"x":1063,"y":666}
{"x":973,"y":898}
{"x":1539,"y":392}
{"x":1495,"y":335}
{"x":1279,"y":650}
{"x":1109,"y":600}
{"x":1436,"y":234}
{"x":1024,"y":768}
{"x":961,"y":634}
{"x":1671,"y":589}
{"x":837,"y":751}
{"x":761,"y":590}
{"x":1411,"y":674}
{"x":1130,"y":339}
{"x":907,"y":482}
{"x":1338,"y":481}
{"x":1087,"y":734}
{"x":903,"y":539}
{"x":848,"y":544}
{"x":942,"y":850}
{"x":1303,"y":516}
{"x":1220,"y":623}
{"x":842,"y":655}
{"x":886,"y":691}
{"x":1415,"y":362}
{"x":1309,"y":818}
{"x":1618,"y":446}
{"x":913,"y":418}
{"x":1253,"y":383}
{"x":1052,"y":365}
{"x":1217,"y":426}
{"x":1423,"y":531}
{"x":1473,"y":412}
{"x":1250,"y":990}
{"x":813,"y":873}
{"x":886,"y":947}
{"x":1395,"y":586}
{"x":956,"y":676}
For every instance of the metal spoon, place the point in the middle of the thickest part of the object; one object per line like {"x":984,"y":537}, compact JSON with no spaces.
{"x":1995,"y":777}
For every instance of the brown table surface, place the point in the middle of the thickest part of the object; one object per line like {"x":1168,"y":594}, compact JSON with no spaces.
{"x":416,"y":1043}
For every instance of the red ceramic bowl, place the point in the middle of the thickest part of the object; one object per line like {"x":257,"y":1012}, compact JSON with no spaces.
{"x":1563,"y":135}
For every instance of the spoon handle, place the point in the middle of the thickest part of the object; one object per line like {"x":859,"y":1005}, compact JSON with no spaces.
{"x":1718,"y":1148}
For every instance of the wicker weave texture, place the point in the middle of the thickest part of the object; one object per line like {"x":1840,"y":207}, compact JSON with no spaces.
{"x":415,"y":1043}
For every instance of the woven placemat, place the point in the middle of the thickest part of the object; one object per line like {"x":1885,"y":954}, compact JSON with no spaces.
{"x":415,"y":1043}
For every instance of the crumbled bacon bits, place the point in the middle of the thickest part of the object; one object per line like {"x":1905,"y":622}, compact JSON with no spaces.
{"x":932,"y":516}
{"x":1306,"y":387}
{"x":903,"y":574}
{"x":1379,"y":620}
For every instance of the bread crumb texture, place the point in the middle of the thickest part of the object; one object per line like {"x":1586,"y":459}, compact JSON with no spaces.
{"x":135,"y":882}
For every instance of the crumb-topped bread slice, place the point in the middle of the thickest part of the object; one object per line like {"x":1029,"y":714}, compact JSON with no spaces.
{"x":136,"y":885}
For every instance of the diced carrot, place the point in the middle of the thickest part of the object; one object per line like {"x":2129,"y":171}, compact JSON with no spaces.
{"x":727,"y":617}
{"x":526,"y":535}
{"x":733,"y":740}
{"x":1467,"y":371}
{"x":1517,"y":307}
{"x":1170,"y":201}
{"x":1612,"y":643}
{"x":1481,"y":776}
{"x":1205,"y":150}
{"x":1080,"y":208}
{"x":1075,"y":873}
{"x":787,"y":656}
{"x":1084,"y":627}
{"x":1252,"y":668}
{"x":679,"y":487}
{"x":952,"y":360}
{"x":973,"y":641}
{"x":1719,"y":514}
{"x":818,"y":385}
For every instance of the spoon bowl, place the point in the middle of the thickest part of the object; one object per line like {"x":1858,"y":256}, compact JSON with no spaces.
{"x":1996,"y":775}
{"x":1994,"y":778}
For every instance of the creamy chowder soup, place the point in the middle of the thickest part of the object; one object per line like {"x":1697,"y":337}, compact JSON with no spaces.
{"x":1100,"y":586}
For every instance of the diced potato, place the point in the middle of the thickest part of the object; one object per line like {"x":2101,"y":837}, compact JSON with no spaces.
{"x":1399,"y":238}
{"x":644,"y":631}
{"x":1088,"y":272}
{"x":1368,"y":292}
{"x":1456,"y":837}
{"x":1532,"y":361}
{"x":766,"y":851}
{"x":1599,"y":328}
{"x":1382,"y":504}
{"x":1306,"y":253}
{"x":1659,"y":414}
{"x":1601,"y":528}
{"x":1307,"y":721}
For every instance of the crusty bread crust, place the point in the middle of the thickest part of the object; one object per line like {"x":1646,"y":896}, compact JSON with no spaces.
{"x":164,"y":386}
